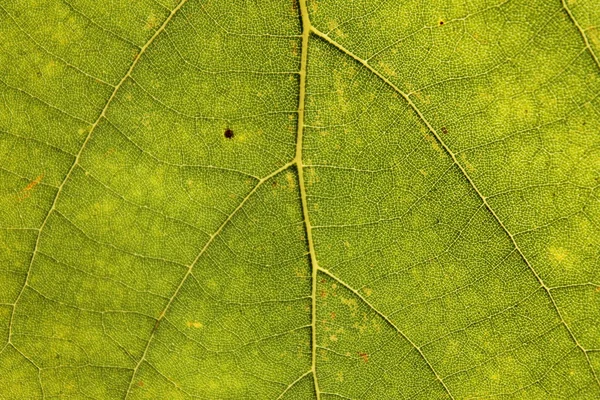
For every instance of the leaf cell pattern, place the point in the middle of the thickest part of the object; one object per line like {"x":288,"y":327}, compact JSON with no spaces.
{"x":314,"y":199}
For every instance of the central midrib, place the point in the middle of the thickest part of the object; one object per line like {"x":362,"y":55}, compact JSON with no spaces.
{"x":306,"y":29}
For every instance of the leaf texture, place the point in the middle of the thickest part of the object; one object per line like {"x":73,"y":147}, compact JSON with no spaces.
{"x":320,"y":199}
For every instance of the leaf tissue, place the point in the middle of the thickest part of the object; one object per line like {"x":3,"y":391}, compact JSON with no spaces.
{"x":299,"y":199}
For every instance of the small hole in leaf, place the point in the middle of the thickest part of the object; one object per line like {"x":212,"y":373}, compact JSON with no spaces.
{"x":228,"y":133}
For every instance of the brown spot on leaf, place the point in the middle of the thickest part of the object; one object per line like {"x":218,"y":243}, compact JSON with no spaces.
{"x":444,"y":130}
{"x":33,"y":183}
{"x":364,"y":356}
{"x":140,"y":383}
{"x":228,"y":133}
{"x":27,"y":190}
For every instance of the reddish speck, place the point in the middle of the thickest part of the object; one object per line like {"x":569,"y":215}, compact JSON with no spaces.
{"x":34,"y":183}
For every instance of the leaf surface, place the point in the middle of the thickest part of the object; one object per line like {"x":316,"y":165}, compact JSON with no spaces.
{"x":317,"y":200}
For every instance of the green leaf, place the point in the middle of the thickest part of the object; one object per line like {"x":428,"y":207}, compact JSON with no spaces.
{"x":325,"y":200}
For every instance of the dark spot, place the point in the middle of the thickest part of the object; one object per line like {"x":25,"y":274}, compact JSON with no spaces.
{"x":364,"y":356}
{"x":444,"y":130}
{"x":38,"y":74}
{"x":441,"y":23}
{"x":228,"y":133}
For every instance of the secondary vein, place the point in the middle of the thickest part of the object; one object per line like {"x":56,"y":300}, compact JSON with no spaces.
{"x":78,"y":156}
{"x":391,"y":323}
{"x":483,"y":198}
{"x":581,"y":32}
{"x":193,"y":263}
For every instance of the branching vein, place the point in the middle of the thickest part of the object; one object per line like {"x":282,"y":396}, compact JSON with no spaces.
{"x":193,"y":263}
{"x":78,"y":156}
{"x":483,"y":198}
{"x":306,"y":28}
